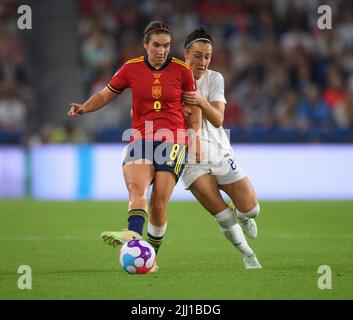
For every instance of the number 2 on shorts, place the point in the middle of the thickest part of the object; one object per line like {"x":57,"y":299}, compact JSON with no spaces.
{"x":232,"y":164}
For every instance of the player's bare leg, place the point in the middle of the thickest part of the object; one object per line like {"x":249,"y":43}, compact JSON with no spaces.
{"x":163,"y":185}
{"x":138,"y":176}
{"x":246,"y":205}
{"x":206,"y":191}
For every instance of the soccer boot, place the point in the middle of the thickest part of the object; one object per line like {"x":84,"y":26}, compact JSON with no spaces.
{"x":118,"y":238}
{"x":251,"y":262}
{"x":249,"y":227}
{"x":155,"y":268}
{"x":247,"y":224}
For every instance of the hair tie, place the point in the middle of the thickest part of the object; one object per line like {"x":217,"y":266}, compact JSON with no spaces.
{"x":199,"y":39}
{"x":156,"y":29}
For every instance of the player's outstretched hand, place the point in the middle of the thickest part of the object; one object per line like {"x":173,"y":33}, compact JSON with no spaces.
{"x":75,"y":110}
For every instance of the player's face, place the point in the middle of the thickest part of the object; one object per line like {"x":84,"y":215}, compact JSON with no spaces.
{"x":198,"y":57}
{"x":158,"y":49}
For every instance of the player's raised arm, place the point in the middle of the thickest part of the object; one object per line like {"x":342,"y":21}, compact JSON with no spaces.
{"x":94,"y":103}
{"x":115,"y":87}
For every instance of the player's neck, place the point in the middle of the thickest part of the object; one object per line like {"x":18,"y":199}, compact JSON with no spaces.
{"x":155,"y":65}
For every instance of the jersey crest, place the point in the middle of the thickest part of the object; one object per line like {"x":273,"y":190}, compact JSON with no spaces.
{"x":156,"y":92}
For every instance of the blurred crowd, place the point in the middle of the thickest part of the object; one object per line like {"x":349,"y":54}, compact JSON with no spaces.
{"x":16,"y":96}
{"x":18,"y":105}
{"x":285,"y":79}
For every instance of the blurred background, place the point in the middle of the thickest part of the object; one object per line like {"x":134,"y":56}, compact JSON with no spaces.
{"x":289,"y":88}
{"x":286,"y":80}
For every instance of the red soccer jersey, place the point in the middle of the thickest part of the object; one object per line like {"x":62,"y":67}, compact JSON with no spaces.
{"x":156,"y":96}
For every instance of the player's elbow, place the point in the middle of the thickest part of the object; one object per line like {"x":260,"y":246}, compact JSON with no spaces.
{"x":218,"y":122}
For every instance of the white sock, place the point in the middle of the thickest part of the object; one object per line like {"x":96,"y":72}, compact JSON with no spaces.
{"x":232,"y":231}
{"x":155,"y":235}
{"x":253,"y":213}
{"x":156,"y":231}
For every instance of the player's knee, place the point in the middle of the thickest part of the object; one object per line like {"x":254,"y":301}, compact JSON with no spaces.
{"x":136,"y":191}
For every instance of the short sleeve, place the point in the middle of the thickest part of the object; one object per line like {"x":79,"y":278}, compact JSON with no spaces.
{"x":188,"y":82}
{"x":119,"y":82}
{"x":217,"y":91}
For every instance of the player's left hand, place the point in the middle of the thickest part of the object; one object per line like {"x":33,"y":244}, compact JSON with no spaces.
{"x":193,"y":98}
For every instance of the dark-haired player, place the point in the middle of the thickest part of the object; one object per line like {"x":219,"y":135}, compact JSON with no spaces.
{"x":219,"y":168}
{"x":156,"y":151}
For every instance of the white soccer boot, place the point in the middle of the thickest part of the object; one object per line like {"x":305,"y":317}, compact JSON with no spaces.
{"x":251,"y":262}
{"x":249,"y":227}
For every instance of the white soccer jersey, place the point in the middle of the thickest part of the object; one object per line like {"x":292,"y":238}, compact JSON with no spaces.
{"x":215,"y":142}
{"x":218,"y":156}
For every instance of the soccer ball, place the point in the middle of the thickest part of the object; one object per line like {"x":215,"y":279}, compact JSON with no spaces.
{"x":137,"y":256}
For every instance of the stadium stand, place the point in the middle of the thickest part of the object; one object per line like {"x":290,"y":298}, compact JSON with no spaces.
{"x":286,"y":80}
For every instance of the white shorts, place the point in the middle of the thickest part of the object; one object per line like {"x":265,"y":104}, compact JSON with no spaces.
{"x":226,"y":171}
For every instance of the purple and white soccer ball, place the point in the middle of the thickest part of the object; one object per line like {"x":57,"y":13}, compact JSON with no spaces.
{"x":137,"y":257}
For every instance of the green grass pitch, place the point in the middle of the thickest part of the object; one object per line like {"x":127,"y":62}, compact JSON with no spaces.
{"x":61,"y":243}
